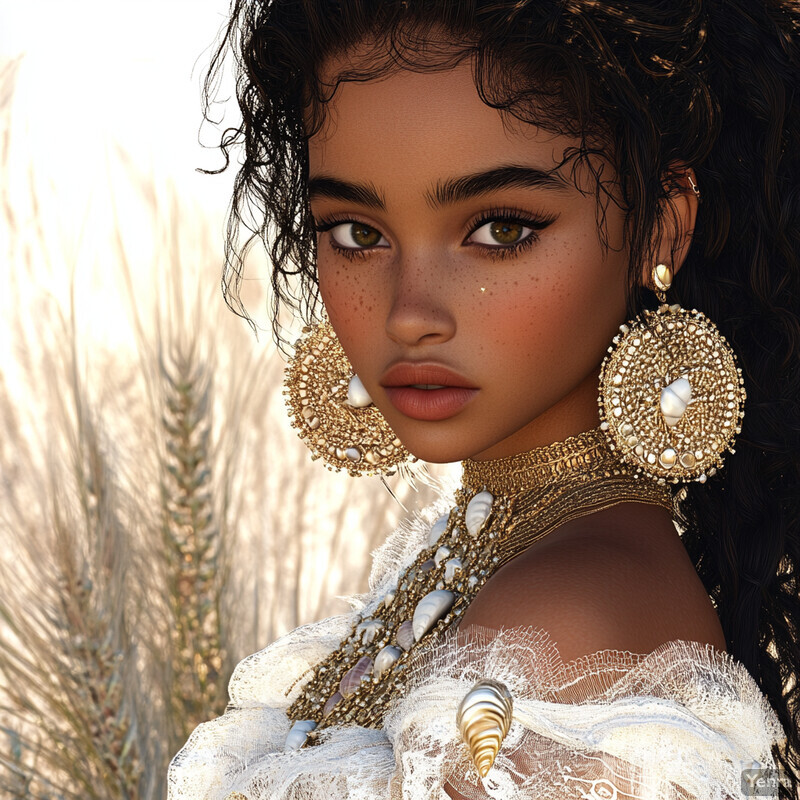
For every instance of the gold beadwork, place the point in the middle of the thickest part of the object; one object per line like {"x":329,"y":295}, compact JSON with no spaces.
{"x":510,"y":504}
{"x":671,"y":395}
{"x":344,"y":436}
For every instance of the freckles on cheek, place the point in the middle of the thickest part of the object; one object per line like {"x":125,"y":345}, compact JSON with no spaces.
{"x":350,"y":308}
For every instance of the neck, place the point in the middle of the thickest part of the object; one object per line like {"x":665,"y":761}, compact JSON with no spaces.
{"x":577,"y":455}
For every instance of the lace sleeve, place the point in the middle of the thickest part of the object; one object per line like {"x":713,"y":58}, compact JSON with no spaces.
{"x":679,"y":723}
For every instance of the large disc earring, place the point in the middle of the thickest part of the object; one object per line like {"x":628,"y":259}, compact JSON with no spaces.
{"x":671,"y":393}
{"x":332,"y":411}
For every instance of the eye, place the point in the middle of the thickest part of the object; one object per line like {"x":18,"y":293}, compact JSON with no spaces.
{"x":356,"y":236}
{"x":500,"y":233}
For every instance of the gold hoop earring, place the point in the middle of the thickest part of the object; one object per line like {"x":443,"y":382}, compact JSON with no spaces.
{"x":332,"y":411}
{"x":671,"y":394}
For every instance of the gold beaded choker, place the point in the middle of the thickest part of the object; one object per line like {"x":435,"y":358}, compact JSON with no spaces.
{"x":503,"y":507}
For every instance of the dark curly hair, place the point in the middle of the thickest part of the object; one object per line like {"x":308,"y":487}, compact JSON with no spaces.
{"x":654,"y":86}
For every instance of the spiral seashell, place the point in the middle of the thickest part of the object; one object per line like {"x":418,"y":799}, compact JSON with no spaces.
{"x":483,"y":718}
{"x":438,"y":529}
{"x":674,"y":400}
{"x":369,"y":629}
{"x":351,"y":680}
{"x":298,"y":734}
{"x":405,"y":635}
{"x":430,"y":610}
{"x":357,"y":395}
{"x":384,"y":660}
{"x":478,"y":510}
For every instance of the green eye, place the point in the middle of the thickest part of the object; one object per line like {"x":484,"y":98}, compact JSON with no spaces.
{"x":506,"y":232}
{"x":502,"y":233}
{"x":364,"y":236}
{"x":356,"y":236}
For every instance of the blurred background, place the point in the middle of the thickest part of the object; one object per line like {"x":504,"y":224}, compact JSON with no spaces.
{"x":159,"y":519}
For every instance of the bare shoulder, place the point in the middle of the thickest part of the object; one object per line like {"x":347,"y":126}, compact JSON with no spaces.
{"x":617,"y":579}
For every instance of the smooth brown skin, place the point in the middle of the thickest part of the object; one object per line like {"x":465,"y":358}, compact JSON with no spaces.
{"x":529,"y":330}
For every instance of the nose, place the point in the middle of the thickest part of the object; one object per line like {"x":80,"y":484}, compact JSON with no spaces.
{"x":421,"y":306}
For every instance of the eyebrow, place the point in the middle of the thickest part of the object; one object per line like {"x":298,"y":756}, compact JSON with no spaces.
{"x":364,"y":194}
{"x":447,"y":192}
{"x":511,"y":176}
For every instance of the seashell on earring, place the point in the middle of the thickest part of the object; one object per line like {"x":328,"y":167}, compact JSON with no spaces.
{"x":483,"y":718}
{"x":674,"y":400}
{"x":357,"y":395}
{"x":659,"y":365}
{"x":477,"y":512}
{"x":430,"y":610}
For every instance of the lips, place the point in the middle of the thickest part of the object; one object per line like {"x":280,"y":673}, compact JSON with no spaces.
{"x":426,"y":392}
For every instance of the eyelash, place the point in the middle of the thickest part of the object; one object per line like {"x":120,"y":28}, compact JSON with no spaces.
{"x":508,"y":215}
{"x":328,"y":223}
{"x":513,"y":216}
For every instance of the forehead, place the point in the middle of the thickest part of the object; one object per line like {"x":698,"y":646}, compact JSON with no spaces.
{"x":411,"y":127}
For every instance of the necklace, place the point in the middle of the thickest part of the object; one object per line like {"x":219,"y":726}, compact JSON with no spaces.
{"x":502,"y":508}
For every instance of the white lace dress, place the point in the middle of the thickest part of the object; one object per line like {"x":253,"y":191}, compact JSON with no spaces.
{"x":684,"y":721}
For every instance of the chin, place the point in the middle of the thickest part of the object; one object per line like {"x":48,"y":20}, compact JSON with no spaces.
{"x":449,"y":450}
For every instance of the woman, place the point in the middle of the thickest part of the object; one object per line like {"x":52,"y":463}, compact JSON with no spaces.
{"x":482,"y":194}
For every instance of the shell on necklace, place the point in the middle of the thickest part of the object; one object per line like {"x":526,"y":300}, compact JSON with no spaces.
{"x":330,"y":703}
{"x":430,"y":610}
{"x":477,"y":512}
{"x":384,"y":660}
{"x":441,"y":554}
{"x":405,"y":635}
{"x":451,"y":568}
{"x":437,"y":529}
{"x":351,"y":680}
{"x":369,"y":629}
{"x":468,"y":546}
{"x":298,"y":733}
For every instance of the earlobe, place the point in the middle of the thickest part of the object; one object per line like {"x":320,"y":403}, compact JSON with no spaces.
{"x":678,"y":217}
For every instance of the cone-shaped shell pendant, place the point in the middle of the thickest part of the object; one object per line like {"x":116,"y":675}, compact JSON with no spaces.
{"x":484,"y":718}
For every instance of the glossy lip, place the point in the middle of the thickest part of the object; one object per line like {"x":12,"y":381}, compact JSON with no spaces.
{"x":429,"y":405}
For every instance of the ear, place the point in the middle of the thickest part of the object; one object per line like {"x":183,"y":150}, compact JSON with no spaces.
{"x":678,"y":217}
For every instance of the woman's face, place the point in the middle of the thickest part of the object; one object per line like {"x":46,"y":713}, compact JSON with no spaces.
{"x":463,"y":274}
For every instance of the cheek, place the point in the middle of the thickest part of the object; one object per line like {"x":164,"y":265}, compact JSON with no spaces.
{"x":560,"y":320}
{"x":352,"y":305}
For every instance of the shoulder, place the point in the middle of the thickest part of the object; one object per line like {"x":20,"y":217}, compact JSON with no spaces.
{"x":600,"y":584}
